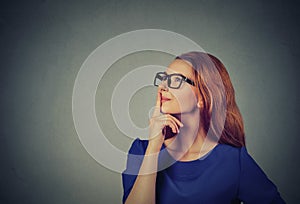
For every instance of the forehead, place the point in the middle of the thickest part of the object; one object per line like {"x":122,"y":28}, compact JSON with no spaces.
{"x":181,"y":67}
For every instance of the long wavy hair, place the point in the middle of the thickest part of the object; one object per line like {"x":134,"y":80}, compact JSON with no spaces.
{"x":214,"y":86}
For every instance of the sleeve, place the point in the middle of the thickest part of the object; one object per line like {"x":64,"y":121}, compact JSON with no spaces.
{"x":254,"y":185}
{"x":132,"y":166}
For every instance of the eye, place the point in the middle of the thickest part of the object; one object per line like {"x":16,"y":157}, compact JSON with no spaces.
{"x":162,"y":77}
{"x":177,"y":79}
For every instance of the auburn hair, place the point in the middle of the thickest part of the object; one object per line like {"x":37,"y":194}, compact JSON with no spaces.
{"x":220,"y":115}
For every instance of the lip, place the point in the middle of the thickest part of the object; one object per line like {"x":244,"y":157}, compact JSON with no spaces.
{"x":164,"y":99}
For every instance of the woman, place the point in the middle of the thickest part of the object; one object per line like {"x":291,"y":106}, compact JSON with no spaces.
{"x":196,"y":149}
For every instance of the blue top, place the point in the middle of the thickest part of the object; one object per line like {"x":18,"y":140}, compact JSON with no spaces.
{"x":226,"y":174}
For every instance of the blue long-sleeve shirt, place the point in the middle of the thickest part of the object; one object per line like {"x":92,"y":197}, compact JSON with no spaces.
{"x":226,"y":174}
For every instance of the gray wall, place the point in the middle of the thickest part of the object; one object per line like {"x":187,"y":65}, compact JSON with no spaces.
{"x":44,"y":43}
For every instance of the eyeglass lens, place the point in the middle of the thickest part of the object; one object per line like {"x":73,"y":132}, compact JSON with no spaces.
{"x":173,"y":81}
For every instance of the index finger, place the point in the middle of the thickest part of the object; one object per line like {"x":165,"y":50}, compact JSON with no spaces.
{"x":156,"y":111}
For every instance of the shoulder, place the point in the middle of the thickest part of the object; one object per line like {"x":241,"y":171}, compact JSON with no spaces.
{"x":240,"y":154}
{"x":231,"y":152}
{"x":138,"y":146}
{"x":229,"y":149}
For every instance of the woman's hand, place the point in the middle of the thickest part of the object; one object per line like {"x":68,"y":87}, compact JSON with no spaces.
{"x":158,"y":122}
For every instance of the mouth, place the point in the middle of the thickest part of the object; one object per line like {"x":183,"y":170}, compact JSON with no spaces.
{"x":164,"y":99}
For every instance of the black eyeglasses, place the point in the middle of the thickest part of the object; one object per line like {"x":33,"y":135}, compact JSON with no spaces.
{"x":174,"y":81}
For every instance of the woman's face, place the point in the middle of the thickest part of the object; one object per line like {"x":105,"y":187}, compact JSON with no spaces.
{"x":182,"y":100}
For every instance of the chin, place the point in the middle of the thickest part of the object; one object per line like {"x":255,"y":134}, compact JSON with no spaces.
{"x":169,"y":110}
{"x":175,"y":110}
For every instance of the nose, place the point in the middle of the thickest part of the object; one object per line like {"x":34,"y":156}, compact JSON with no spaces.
{"x":164,"y":85}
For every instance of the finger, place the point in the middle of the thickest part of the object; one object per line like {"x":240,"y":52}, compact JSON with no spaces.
{"x":176,"y":120}
{"x":169,"y":122}
{"x":156,"y":111}
{"x":168,"y":117}
{"x":158,"y":97}
{"x":175,"y":125}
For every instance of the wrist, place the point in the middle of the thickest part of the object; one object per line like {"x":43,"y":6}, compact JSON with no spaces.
{"x":152,"y":148}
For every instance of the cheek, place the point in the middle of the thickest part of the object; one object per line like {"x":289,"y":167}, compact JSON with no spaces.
{"x":186,"y":100}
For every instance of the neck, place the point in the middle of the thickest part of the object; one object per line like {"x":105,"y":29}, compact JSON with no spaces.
{"x":191,"y":143}
{"x":191,"y":136}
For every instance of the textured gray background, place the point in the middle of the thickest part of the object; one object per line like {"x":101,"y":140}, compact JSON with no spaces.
{"x":44,"y":43}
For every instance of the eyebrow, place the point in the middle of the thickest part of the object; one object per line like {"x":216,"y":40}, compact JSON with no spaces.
{"x":191,"y":78}
{"x":173,"y":73}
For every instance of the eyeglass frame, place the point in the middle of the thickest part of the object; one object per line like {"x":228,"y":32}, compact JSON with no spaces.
{"x":168,"y":78}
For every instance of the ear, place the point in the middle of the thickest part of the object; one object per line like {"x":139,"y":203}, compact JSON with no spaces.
{"x":200,"y":103}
